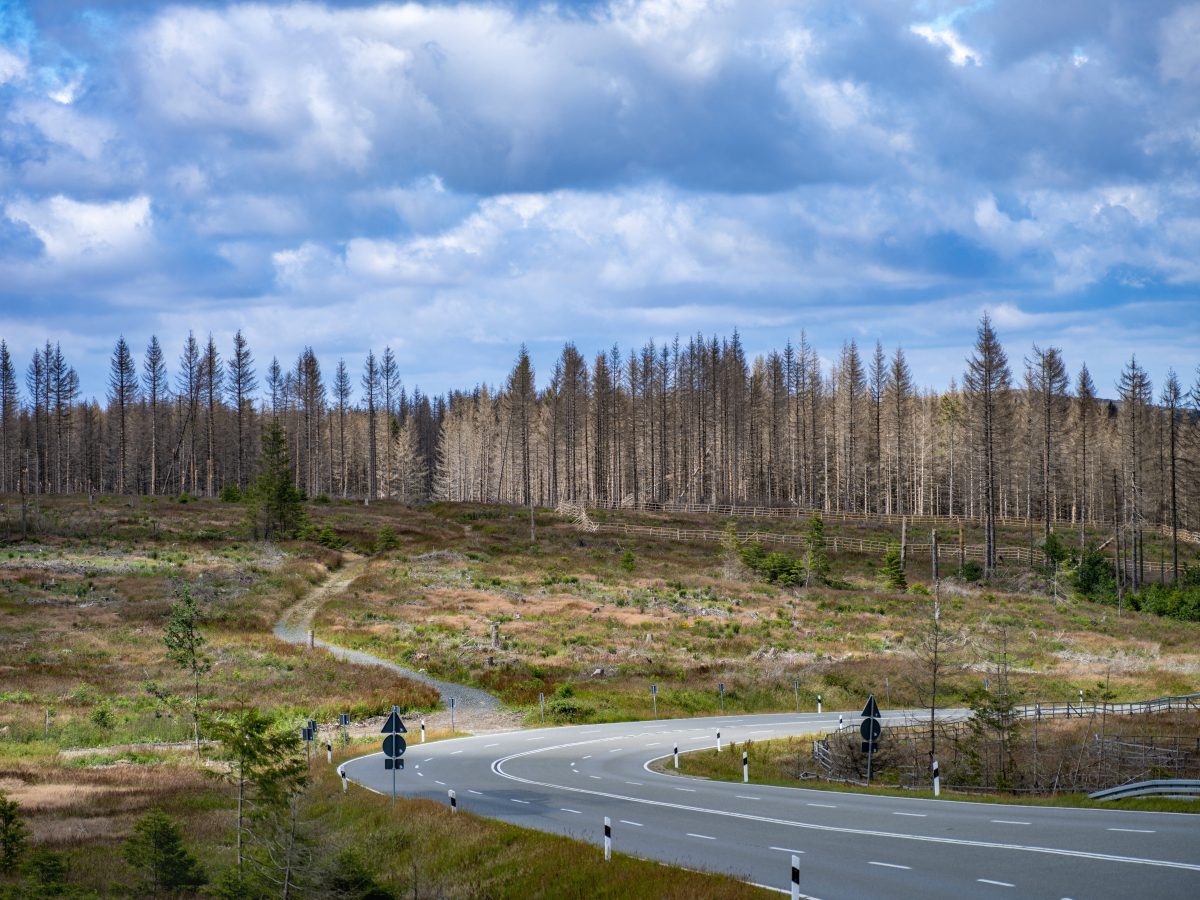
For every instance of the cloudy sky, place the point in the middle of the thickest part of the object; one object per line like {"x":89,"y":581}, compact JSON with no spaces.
{"x":454,"y":179}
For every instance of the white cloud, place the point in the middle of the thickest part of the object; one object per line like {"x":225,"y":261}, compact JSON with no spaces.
{"x":945,"y":36}
{"x":79,"y":234}
{"x":12,"y":66}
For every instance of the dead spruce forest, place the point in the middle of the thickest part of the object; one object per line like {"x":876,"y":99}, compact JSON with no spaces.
{"x":691,"y":422}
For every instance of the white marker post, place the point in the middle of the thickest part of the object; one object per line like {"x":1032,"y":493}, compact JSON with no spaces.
{"x":453,"y":801}
{"x":937,"y":780}
{"x":818,"y":704}
{"x":795,"y":877}
{"x":607,"y":839}
{"x":718,"y":740}
{"x":676,"y":752}
{"x":654,"y":698}
{"x":451,"y":713}
{"x":345,"y":781}
{"x":839,"y":721}
{"x":329,"y":749}
{"x":422,"y":731}
{"x":745,"y":767}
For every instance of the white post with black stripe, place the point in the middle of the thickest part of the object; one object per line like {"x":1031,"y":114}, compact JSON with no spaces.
{"x":453,"y":801}
{"x":818,"y":704}
{"x":607,"y":839}
{"x":345,"y":781}
{"x":329,"y":749}
{"x":718,"y":740}
{"x":422,"y":731}
{"x":839,"y":721}
{"x":795,"y":877}
{"x":675,"y":753}
{"x":937,"y":779}
{"x":745,"y":767}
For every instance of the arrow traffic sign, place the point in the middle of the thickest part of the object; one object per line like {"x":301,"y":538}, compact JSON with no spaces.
{"x":394,"y":746}
{"x":871,"y":710}
{"x":393,"y":725}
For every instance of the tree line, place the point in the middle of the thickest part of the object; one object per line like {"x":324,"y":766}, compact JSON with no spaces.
{"x":694,"y":420}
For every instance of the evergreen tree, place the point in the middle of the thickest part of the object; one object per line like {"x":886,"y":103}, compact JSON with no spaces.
{"x":816,"y":561}
{"x":157,"y":852}
{"x":185,"y":648}
{"x":892,"y":569}
{"x":275,"y":503}
{"x":13,"y":835}
{"x":987,"y":382}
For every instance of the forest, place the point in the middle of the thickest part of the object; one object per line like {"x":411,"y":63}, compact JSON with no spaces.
{"x":692,"y":422}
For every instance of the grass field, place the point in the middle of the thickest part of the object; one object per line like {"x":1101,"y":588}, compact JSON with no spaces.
{"x":588,"y":620}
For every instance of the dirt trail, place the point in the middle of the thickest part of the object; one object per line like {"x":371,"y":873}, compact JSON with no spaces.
{"x":475,"y":709}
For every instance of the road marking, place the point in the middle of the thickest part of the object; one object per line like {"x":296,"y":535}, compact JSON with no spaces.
{"x":785,"y":849}
{"x":456,"y":752}
{"x":498,"y":768}
{"x":822,"y":805}
{"x":515,"y":800}
{"x":746,"y":797}
{"x":635,"y":783}
{"x":997,"y":883}
{"x":634,"y":824}
{"x":888,"y":865}
{"x":485,"y":746}
{"x":597,"y":777}
{"x":422,"y":774}
{"x":615,"y":750}
{"x":655,"y":744}
{"x":916,"y":815}
{"x":1010,"y":822}
{"x":706,"y":837}
{"x":1133,"y":830}
{"x":688,"y":790}
{"x":477,"y":793}
{"x":589,"y":756}
{"x":427,"y":759}
{"x":435,"y":781}
{"x":575,"y":811}
{"x":540,"y":737}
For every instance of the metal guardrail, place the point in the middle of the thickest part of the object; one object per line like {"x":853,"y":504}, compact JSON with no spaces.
{"x":1080,"y":710}
{"x":1182,"y":788}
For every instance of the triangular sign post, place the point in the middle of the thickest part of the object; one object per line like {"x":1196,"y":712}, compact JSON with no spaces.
{"x":394,"y":726}
{"x":871,"y":710}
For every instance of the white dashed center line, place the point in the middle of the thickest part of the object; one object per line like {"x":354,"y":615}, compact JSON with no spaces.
{"x":634,"y":783}
{"x":688,"y":790}
{"x":456,"y":752}
{"x":1010,"y":822}
{"x":747,"y":797}
{"x":703,"y":837}
{"x":597,"y":777}
{"x":1133,"y":830}
{"x":589,"y":756}
{"x":785,"y":849}
{"x":634,"y":824}
{"x":575,"y":811}
{"x":485,"y":746}
{"x":888,"y":865}
{"x":823,"y":805}
{"x":477,"y":793}
{"x":615,"y":750}
{"x":996,"y":883}
{"x":435,"y":781}
{"x":522,"y":802}
{"x":915,"y":815}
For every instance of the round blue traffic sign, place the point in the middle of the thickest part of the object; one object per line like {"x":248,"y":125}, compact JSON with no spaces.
{"x":393,"y":746}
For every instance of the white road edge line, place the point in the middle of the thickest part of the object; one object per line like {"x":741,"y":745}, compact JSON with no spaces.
{"x":498,"y":768}
{"x":785,"y":849}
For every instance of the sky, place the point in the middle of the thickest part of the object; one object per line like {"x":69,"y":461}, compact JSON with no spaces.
{"x":456,"y":179}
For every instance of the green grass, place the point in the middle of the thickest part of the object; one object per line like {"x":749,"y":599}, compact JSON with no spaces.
{"x":779,"y":762}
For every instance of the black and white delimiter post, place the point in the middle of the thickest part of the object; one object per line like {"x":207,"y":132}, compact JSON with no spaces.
{"x":937,"y":779}
{"x":607,"y":838}
{"x":795,"y":877}
{"x":745,"y":767}
{"x":453,"y":801}
{"x":718,"y":741}
{"x":676,"y":754}
{"x":422,"y":731}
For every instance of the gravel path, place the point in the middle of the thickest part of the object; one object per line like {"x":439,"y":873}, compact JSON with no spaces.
{"x":472,"y":705}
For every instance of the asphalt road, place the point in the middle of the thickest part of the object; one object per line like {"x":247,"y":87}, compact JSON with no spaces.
{"x":565,"y":780}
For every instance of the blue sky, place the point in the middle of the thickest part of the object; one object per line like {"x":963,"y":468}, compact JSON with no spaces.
{"x":455,"y":179}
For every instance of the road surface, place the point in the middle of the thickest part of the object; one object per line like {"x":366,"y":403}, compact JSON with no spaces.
{"x":565,"y":780}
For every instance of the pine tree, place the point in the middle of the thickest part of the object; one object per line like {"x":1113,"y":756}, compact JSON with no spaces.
{"x":816,"y":561}
{"x":185,"y":648}
{"x":13,"y":835}
{"x":892,"y":569}
{"x":157,"y":852}
{"x":154,"y":381}
{"x":242,"y":384}
{"x":987,"y":382}
{"x":1171,"y":397}
{"x":9,"y":417}
{"x":275,"y":505}
{"x":122,"y":394}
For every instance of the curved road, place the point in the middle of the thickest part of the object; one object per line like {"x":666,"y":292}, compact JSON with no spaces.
{"x":565,"y":780}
